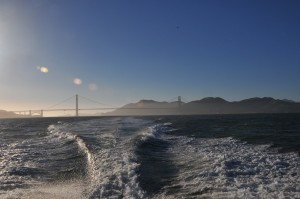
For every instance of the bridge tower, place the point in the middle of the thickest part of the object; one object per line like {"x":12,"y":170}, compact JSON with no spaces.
{"x":179,"y":101}
{"x":76,"y":105}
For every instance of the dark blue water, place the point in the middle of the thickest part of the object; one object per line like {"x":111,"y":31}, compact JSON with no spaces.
{"x":218,"y":156}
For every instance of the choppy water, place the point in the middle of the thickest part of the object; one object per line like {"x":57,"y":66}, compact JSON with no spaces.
{"x":233,"y":156}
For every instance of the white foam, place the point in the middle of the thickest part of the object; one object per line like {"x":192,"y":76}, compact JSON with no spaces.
{"x":89,"y":155}
{"x":70,"y":190}
{"x":13,"y":159}
{"x":61,"y":132}
{"x":227,"y":168}
{"x":111,"y":163}
{"x":115,"y":173}
{"x":155,"y":131}
{"x":22,"y":156}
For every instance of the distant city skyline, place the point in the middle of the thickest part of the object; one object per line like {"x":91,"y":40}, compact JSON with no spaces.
{"x":118,"y":52}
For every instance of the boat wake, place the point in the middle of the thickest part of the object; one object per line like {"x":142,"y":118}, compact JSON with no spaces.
{"x":122,"y":157}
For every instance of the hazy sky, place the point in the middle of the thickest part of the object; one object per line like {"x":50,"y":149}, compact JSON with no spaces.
{"x":123,"y":51}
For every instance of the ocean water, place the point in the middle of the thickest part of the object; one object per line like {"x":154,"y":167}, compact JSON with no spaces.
{"x":218,"y":156}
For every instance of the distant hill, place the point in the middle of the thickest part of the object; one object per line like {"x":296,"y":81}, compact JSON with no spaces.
{"x":209,"y":105}
{"x":9,"y":114}
{"x":6,"y":114}
{"x":147,"y":107}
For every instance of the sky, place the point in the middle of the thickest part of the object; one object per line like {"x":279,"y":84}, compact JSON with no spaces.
{"x":116,"y":52}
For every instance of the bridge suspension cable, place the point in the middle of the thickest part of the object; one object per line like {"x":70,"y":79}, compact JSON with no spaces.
{"x":96,"y":102}
{"x":173,"y":99}
{"x":51,"y":107}
{"x":108,"y":107}
{"x":185,"y":100}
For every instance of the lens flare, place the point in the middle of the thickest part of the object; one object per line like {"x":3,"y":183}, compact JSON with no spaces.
{"x":77,"y":81}
{"x":93,"y":87}
{"x":43,"y":69}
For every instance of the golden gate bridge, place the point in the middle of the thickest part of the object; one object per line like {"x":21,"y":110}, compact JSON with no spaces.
{"x":40,"y":112}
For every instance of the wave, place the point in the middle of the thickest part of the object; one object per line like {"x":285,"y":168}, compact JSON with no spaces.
{"x":108,"y":171}
{"x":40,"y":164}
{"x":60,"y":132}
{"x":229,"y":168}
{"x":115,"y":171}
{"x":118,"y":164}
{"x":77,"y":164}
{"x":138,"y":158}
{"x":155,"y":169}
